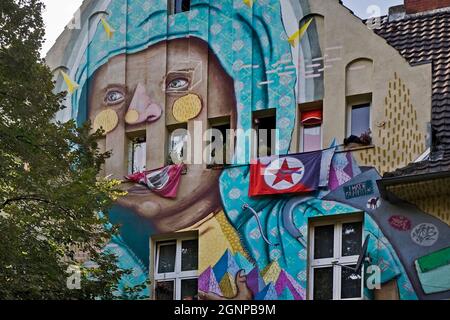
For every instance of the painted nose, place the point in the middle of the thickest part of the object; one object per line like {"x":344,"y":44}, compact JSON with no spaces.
{"x":141,"y":108}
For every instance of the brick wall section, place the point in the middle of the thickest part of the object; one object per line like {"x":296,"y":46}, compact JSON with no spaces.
{"x":416,"y":6}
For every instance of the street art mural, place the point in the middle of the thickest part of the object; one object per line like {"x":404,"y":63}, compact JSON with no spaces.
{"x":134,"y":64}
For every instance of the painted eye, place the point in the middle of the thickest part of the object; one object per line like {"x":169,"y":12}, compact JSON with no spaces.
{"x":178,"y":84}
{"x":114,"y":97}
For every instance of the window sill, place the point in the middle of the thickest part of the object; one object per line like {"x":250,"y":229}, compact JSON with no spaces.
{"x":354,"y":147}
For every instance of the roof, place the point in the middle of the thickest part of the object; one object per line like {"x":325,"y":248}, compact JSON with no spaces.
{"x":439,"y":162}
{"x":425,"y":38}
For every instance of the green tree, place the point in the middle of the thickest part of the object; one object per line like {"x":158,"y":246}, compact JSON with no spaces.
{"x":50,"y":194}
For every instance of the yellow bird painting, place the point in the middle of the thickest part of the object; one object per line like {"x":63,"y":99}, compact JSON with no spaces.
{"x":249,"y":3}
{"x":71,"y":85}
{"x":297,"y":36}
{"x":108,"y":29}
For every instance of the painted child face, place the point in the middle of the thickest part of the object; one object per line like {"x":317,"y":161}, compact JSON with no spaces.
{"x":150,"y":89}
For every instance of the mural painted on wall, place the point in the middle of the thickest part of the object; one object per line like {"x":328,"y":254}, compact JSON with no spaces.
{"x":138,"y":65}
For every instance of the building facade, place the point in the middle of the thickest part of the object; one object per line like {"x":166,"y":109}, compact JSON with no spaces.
{"x":167,"y":79}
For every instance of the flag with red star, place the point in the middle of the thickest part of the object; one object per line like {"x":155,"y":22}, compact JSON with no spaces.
{"x":294,"y":173}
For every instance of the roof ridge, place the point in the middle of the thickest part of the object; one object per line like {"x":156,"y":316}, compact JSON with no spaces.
{"x":429,"y":12}
{"x":385,"y":18}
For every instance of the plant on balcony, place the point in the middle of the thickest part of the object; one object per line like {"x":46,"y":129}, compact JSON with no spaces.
{"x":364,"y":139}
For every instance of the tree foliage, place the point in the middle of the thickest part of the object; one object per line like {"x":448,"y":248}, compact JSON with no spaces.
{"x":50,"y":193}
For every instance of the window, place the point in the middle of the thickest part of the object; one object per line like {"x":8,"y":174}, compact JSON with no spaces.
{"x":137,"y":155}
{"x":335,"y":245}
{"x":265,"y":126}
{"x":359,"y":119}
{"x":218,"y":143}
{"x":176,"y":269}
{"x":311,"y":131}
{"x":178,"y":6}
{"x":178,"y":145}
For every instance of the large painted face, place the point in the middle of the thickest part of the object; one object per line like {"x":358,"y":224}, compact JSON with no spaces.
{"x":152,"y":90}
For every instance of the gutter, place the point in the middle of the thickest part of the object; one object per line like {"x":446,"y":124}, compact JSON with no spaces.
{"x":395,"y":181}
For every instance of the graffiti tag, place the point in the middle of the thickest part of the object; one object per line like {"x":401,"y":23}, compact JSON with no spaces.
{"x":400,"y":223}
{"x":425,"y":234}
{"x":359,"y":190}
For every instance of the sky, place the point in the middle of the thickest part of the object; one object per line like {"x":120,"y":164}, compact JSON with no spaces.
{"x":367,"y":8}
{"x":59,"y":13}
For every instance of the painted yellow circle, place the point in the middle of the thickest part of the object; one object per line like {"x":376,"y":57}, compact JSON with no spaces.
{"x":107,"y":120}
{"x":132,"y":116}
{"x":187,"y":108}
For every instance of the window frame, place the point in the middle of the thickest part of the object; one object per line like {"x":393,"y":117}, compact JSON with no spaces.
{"x":350,"y":108}
{"x":187,"y":142}
{"x":255,"y":135}
{"x":132,"y":142}
{"x":226,"y":143}
{"x":177,"y":276}
{"x":337,"y":250}
{"x":302,"y":135}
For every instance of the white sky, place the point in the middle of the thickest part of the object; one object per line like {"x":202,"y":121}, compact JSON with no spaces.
{"x":59,"y":13}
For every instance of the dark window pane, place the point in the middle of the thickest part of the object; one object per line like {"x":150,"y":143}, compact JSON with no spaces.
{"x":323,"y":284}
{"x":186,"y":5}
{"x":360,"y":119}
{"x":189,"y":255}
{"x":182,"y":5}
{"x":350,"y":284}
{"x":189,"y":289}
{"x":164,"y":290}
{"x":167,"y":258}
{"x":323,"y":242}
{"x":219,"y":153}
{"x":312,"y":138}
{"x":351,"y":239}
{"x":265,"y":128}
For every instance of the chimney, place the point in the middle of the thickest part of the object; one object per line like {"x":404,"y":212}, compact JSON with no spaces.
{"x":397,"y":13}
{"x":417,"y":6}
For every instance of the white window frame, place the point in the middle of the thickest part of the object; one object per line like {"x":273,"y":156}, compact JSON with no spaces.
{"x":350,"y":112}
{"x":337,"y":258}
{"x":177,"y":276}
{"x":302,"y":135}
